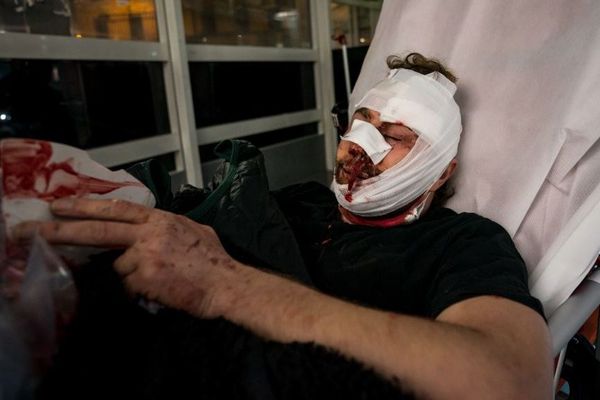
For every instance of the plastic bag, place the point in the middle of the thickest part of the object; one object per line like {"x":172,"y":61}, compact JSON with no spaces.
{"x":30,"y":324}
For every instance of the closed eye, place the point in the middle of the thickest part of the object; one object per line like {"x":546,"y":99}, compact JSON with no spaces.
{"x":391,"y":140}
{"x":404,"y":140}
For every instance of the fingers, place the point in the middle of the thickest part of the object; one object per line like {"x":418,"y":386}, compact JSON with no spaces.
{"x":110,"y":225}
{"x":138,"y":273}
{"x":115,"y":210}
{"x":83,"y":233}
{"x":128,"y":262}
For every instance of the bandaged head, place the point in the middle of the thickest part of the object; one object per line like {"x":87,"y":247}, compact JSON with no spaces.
{"x":424,"y":103}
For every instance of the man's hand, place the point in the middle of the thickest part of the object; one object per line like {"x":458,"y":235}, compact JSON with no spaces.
{"x":168,"y":258}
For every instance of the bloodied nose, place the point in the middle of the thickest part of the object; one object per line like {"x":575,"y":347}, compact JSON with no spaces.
{"x":369,"y":139}
{"x":356,"y":165}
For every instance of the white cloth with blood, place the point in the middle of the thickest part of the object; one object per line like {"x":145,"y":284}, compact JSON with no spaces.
{"x":33,"y":173}
{"x":368,"y":137}
{"x":424,"y":103}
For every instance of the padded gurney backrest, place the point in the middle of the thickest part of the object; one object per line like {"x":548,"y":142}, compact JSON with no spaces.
{"x":529,"y":90}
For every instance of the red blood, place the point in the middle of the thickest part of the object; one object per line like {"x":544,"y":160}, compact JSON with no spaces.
{"x":357,"y":166}
{"x":25,"y":162}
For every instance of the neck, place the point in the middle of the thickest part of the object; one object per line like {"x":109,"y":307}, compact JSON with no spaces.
{"x":407,"y":215}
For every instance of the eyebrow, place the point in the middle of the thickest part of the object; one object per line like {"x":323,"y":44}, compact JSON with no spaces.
{"x":386,"y":124}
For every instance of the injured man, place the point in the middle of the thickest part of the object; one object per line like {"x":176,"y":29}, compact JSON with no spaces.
{"x":367,"y":289}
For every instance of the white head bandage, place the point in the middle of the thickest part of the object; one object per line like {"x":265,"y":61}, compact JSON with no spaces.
{"x":425,"y":104}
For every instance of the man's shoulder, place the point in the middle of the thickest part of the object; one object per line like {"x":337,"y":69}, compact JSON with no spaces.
{"x":466,"y":231}
{"x":467,"y":221}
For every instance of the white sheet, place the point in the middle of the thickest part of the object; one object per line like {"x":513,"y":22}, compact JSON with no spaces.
{"x":529,"y":88}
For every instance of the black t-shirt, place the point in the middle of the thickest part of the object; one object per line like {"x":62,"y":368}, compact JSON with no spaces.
{"x":419,"y":269}
{"x":115,"y":346}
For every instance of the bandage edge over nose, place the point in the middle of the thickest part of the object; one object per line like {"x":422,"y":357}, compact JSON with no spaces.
{"x":365,"y":135}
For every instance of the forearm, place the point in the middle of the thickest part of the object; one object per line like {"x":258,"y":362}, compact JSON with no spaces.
{"x":436,"y":359}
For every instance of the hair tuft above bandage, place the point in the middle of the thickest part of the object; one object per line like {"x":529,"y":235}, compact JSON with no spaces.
{"x":424,"y":103}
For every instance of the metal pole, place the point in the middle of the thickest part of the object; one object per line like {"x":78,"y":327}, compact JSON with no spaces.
{"x":559,"y":366}
{"x":321,"y":29}
{"x":342,"y":40}
{"x":178,"y":59}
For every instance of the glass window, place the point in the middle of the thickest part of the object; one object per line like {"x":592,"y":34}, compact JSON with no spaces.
{"x":233,"y":91}
{"x":108,"y":19}
{"x":356,"y":56}
{"x":357,"y":24}
{"x":279,"y":23}
{"x":84,"y":104}
{"x":265,"y":139}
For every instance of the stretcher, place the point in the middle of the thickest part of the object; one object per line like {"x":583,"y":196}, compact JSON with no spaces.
{"x":529,"y":90}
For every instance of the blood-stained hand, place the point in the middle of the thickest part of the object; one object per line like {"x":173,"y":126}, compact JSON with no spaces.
{"x":168,"y":258}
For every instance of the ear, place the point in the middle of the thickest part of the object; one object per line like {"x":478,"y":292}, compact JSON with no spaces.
{"x":445,"y":176}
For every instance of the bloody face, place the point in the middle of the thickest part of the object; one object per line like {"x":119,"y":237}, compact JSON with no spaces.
{"x":353,"y":165}
{"x":352,"y":162}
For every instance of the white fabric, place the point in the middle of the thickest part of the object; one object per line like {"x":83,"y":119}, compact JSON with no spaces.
{"x":580,"y":232}
{"x":369,"y":139}
{"x":424,"y":103}
{"x":426,"y":106}
{"x":529,"y":90}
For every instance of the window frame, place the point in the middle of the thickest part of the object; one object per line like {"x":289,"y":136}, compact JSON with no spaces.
{"x":175,"y":54}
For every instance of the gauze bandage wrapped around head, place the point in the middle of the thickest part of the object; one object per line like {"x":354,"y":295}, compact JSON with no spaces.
{"x":424,"y":103}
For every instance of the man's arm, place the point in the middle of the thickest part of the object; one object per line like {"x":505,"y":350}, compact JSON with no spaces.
{"x":485,"y":347}
{"x":482,"y":348}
